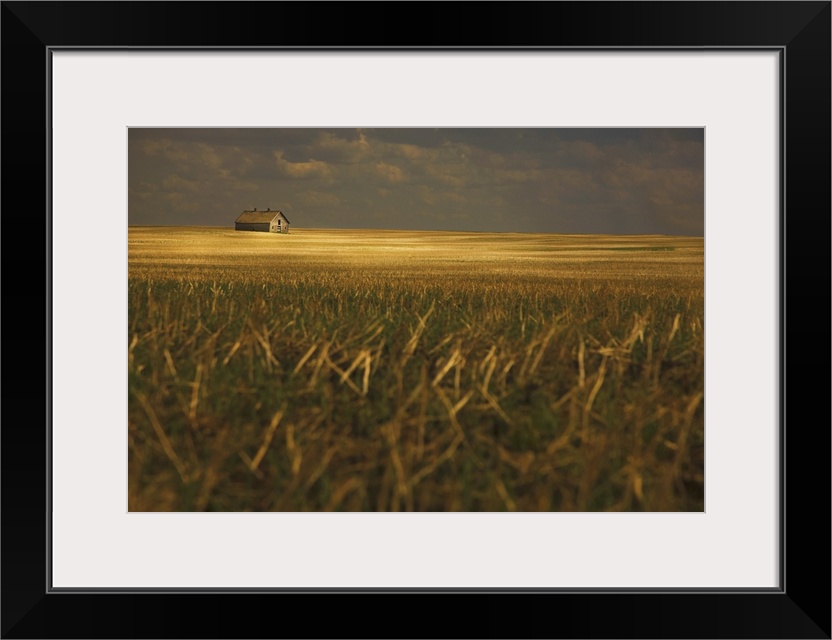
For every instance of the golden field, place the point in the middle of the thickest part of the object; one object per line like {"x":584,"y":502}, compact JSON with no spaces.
{"x":423,"y":371}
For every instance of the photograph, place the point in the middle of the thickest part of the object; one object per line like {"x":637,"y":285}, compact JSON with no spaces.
{"x":416,"y":319}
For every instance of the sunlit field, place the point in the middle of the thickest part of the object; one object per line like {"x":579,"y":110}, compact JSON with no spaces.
{"x":329,"y":370}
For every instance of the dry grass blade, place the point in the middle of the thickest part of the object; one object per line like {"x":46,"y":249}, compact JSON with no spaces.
{"x":195,"y":393}
{"x":402,"y":486}
{"x":375,"y":333}
{"x":441,"y":459}
{"x":448,"y":365}
{"x":602,"y":370}
{"x":247,"y":460}
{"x":541,"y":350}
{"x":681,"y":443}
{"x":264,"y":343}
{"x":231,"y":353}
{"x":359,"y":359}
{"x":267,"y":439}
{"x":495,"y":405}
{"x":410,"y":347}
{"x":171,"y":366}
{"x":322,"y":357}
{"x":342,"y":374}
{"x":321,"y":467}
{"x":365,"y":382}
{"x":492,"y":364}
{"x":294,"y":450}
{"x":305,"y":357}
{"x":441,"y":343}
{"x":674,"y":329}
{"x":520,"y":461}
{"x":346,"y":487}
{"x":453,"y":409}
{"x":163,"y":439}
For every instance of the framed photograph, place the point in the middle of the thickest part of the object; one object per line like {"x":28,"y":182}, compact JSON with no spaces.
{"x":470,"y":320}
{"x":569,"y":383}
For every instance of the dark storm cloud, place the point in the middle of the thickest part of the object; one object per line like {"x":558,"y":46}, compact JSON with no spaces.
{"x":510,"y":179}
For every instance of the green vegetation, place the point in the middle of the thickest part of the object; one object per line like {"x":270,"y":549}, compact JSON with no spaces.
{"x":382,"y":370}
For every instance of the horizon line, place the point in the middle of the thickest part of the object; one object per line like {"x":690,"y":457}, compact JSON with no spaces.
{"x":536,"y":233}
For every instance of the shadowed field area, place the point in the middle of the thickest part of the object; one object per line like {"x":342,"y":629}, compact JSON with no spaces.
{"x":425,"y":371}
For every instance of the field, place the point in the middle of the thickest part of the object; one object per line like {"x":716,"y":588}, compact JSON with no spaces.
{"x":414,"y":371}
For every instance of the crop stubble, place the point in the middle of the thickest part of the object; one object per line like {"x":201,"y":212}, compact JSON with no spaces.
{"x":425,"y":371}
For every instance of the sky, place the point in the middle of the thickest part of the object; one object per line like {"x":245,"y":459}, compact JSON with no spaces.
{"x":612,"y":181}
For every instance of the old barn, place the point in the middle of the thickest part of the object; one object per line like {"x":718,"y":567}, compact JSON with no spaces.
{"x":268,"y":221}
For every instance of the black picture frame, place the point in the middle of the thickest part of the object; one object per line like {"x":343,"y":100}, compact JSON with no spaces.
{"x":799,"y":31}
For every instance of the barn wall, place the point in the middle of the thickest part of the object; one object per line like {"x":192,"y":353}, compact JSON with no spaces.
{"x":251,"y":226}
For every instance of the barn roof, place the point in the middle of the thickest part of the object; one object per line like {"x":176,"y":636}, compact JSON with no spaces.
{"x":255,"y":217}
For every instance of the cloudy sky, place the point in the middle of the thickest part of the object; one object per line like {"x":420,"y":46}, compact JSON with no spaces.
{"x":526,"y":180}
